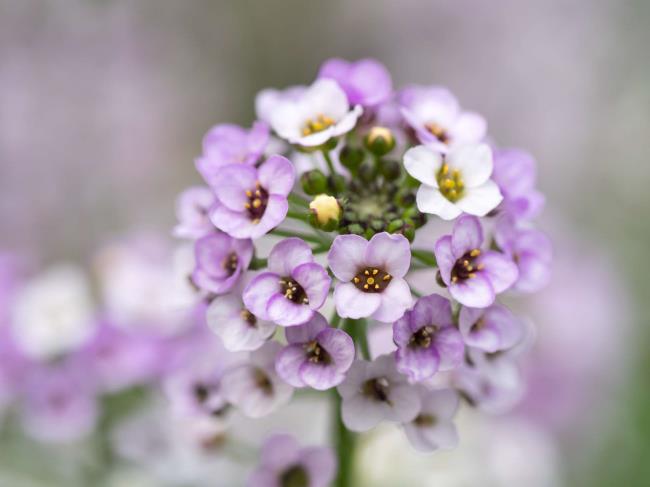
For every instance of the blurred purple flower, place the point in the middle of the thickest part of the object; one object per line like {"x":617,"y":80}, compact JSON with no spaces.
{"x":284,"y":463}
{"x":251,"y":201}
{"x":372,"y":276}
{"x":474,"y":276}
{"x":515,"y":172}
{"x":317,"y":355}
{"x":427,"y":339}
{"x":366,"y":82}
{"x":490,"y":329}
{"x":432,"y":429}
{"x":193,"y":210}
{"x":293,"y":287}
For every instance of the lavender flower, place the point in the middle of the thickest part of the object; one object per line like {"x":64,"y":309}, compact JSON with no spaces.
{"x":220,"y":260}
{"x":251,"y":201}
{"x":432,"y":429}
{"x":515,"y":173}
{"x":376,"y":391}
{"x":427,"y":339}
{"x":366,"y":82}
{"x":490,"y":329}
{"x":293,"y":288}
{"x":474,"y":276}
{"x":317,"y":355}
{"x":372,"y":276}
{"x":254,"y":387}
{"x":455,"y":182}
{"x":192,"y":210}
{"x":284,"y":463}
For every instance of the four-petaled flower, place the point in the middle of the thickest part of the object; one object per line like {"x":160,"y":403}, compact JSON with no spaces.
{"x":193,"y":213}
{"x":432,"y":429}
{"x":490,"y":329}
{"x":366,"y":82}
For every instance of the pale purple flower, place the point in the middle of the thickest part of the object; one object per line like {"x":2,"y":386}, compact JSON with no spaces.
{"x":372,"y":276}
{"x":228,"y":144}
{"x":317,"y":355}
{"x":530,"y":249}
{"x":254,"y":387}
{"x":453,"y":183}
{"x":284,"y":463}
{"x":375,"y":391}
{"x":293,"y":287}
{"x":515,"y":171}
{"x":433,"y":429}
{"x":473,"y":276}
{"x":427,"y":339}
{"x":251,"y":201}
{"x":193,"y":212}
{"x":313,"y":116}
{"x":366,"y":82}
{"x":220,"y":261}
{"x":434,"y":114}
{"x":490,"y":329}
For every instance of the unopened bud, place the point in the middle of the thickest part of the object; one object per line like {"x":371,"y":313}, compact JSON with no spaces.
{"x":380,"y":141}
{"x":351,"y":157}
{"x":325,"y":212}
{"x":314,"y":182}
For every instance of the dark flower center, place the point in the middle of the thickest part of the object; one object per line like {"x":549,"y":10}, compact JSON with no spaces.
{"x":376,"y":389}
{"x":295,"y":476}
{"x":293,"y":291}
{"x":201,"y":392}
{"x":465,"y":267}
{"x":450,"y":183}
{"x":424,"y":420}
{"x":478,"y":326}
{"x":258,"y":199}
{"x":438,"y":131}
{"x":230,"y":263}
{"x":423,"y":337}
{"x":263,"y":382}
{"x":249,"y":318}
{"x":372,"y":280}
{"x":317,"y":354}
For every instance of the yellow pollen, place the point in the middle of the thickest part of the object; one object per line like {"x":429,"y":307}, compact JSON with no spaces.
{"x":475,"y":253}
{"x":480,"y":267}
{"x":387,"y":277}
{"x":257,"y":203}
{"x":366,"y":272}
{"x":376,"y":286}
{"x":472,"y":275}
{"x":375,"y":272}
{"x":249,"y":193}
{"x":247,"y":206}
{"x":370,"y":280}
{"x":356,"y":280}
{"x":365,"y":286}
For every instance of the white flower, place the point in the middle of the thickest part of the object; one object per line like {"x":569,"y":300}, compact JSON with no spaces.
{"x":455,"y":183}
{"x":53,"y":314}
{"x":309,"y":117}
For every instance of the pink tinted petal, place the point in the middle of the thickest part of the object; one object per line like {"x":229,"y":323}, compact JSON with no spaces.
{"x":509,"y":329}
{"x":289,"y":254}
{"x":352,"y":303}
{"x":276,"y":211}
{"x":371,"y":83}
{"x":234,"y":223}
{"x":279,"y":452}
{"x":402,"y":331}
{"x":339,"y":346}
{"x":361,"y":414}
{"x":449,"y":343}
{"x":475,"y":293}
{"x":405,"y":402}
{"x":499,"y":269}
{"x":534,"y":274}
{"x":307,"y":331}
{"x":469,"y":127}
{"x":277,"y":175}
{"x":417,"y":363}
{"x":210,"y":252}
{"x":288,"y":363}
{"x":444,"y":257}
{"x":432,"y":310}
{"x":287,"y":313}
{"x":244,"y":249}
{"x":230,"y":184}
{"x":259,"y":291}
{"x":315,"y":281}
{"x":391,"y":253}
{"x":347,"y":256}
{"x":395,"y":299}
{"x":466,"y":236}
{"x":320,"y":463}
{"x":320,"y":376}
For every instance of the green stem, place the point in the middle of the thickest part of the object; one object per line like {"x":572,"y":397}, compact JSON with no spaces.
{"x":298,"y":215}
{"x":335,"y":320}
{"x":305,"y":236}
{"x":257,"y":263}
{"x":344,"y":442}
{"x":298,"y":200}
{"x":328,"y":160}
{"x":425,"y":257}
{"x":357,"y":330}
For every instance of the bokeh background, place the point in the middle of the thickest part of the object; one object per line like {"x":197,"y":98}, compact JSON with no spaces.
{"x":103,"y":104}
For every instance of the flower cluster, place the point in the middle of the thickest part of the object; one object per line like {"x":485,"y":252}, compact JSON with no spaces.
{"x":339,"y":179}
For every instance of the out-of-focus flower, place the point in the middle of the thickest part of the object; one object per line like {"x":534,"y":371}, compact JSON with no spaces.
{"x":366,"y":82}
{"x":372,"y":276}
{"x":284,"y":463}
{"x":313,"y":117}
{"x":453,"y":183}
{"x":474,"y":276}
{"x":375,"y":391}
{"x":435,"y":115}
{"x":255,"y":387}
{"x":251,"y":201}
{"x":515,"y":172}
{"x":192,"y":210}
{"x":53,"y":313}
{"x":427,"y":339}
{"x":433,"y":429}
{"x":490,"y":329}
{"x":267,"y":100}
{"x":293,"y":288}
{"x":317,"y":355}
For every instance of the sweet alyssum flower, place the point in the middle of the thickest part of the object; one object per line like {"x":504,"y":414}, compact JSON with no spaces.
{"x":473,"y":276}
{"x":490,"y":329}
{"x":193,"y":210}
{"x":516,"y":174}
{"x":284,"y":463}
{"x":372,"y":276}
{"x":427,"y":339}
{"x":293,"y":288}
{"x":317,"y":355}
{"x":251,"y":201}
{"x":366,"y":82}
{"x":433,"y":428}
{"x":453,"y":183}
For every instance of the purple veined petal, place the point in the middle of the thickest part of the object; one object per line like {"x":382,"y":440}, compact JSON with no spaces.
{"x":210,"y":252}
{"x":288,"y":364}
{"x":391,"y":253}
{"x":276,"y":210}
{"x":469,"y":127}
{"x":402,"y":329}
{"x":417,"y":363}
{"x":423,"y":163}
{"x":287,"y":313}
{"x":279,"y":452}
{"x":263,"y":477}
{"x":307,"y":331}
{"x":230,"y":184}
{"x":405,"y":402}
{"x":445,"y":258}
{"x":431,"y":200}
{"x":347,"y":256}
{"x":498,"y":329}
{"x":362,"y":414}
{"x":480,"y":200}
{"x":320,"y":376}
{"x":214,"y":284}
{"x":500,"y":270}
{"x":443,"y":436}
{"x":277,"y":175}
{"x":352,"y":303}
{"x":289,"y":254}
{"x":258,"y":138}
{"x":449,"y":344}
{"x":438,"y":313}
{"x":395,"y":299}
{"x":320,"y":463}
{"x":339,"y":345}
{"x":223,"y":135}
{"x":315,"y":281}
{"x":234,"y":223}
{"x":534,"y":242}
{"x":534,"y":274}
{"x":259,"y":292}
{"x":475,"y":293}
{"x":244,"y":249}
{"x":466,"y":236}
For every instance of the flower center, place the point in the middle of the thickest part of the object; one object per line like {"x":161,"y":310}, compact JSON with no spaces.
{"x":425,"y":420}
{"x":450,"y":183}
{"x":295,"y":476}
{"x":317,"y":354}
{"x":438,"y":132}
{"x":293,"y":291}
{"x":423,"y":337}
{"x":249,"y":318}
{"x":230,"y":263}
{"x":258,"y":198}
{"x":372,"y":280}
{"x":376,"y":389}
{"x":478,"y":326}
{"x":317,"y":124}
{"x":465,"y":267}
{"x":262,"y":381}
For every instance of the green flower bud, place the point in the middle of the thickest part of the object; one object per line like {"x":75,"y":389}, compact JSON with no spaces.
{"x":391,"y":170}
{"x":324,"y":212}
{"x":314,"y":182}
{"x":356,"y":229}
{"x":336,"y":183}
{"x":377,"y":225}
{"x":351,"y":157}
{"x":368,"y":172}
{"x":405,"y":198}
{"x":380,"y":141}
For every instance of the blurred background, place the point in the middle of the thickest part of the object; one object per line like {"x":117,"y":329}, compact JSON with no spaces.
{"x":103,"y":104}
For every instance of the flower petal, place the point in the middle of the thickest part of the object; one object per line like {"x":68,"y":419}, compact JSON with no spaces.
{"x":417,"y":363}
{"x":352,"y":303}
{"x":288,"y":363}
{"x":259,"y":291}
{"x":307,"y":331}
{"x":277,"y":175}
{"x":499,"y":269}
{"x":475,"y":293}
{"x":480,"y":200}
{"x":361,"y":414}
{"x":449,"y":343}
{"x":390,"y":253}
{"x":289,"y":254}
{"x":287,"y":313}
{"x":430,"y":200}
{"x":474,"y":163}
{"x":445,"y":258}
{"x":315,"y":281}
{"x":395,"y":299}
{"x":423,"y":163}
{"x":347,"y":256}
{"x":467,"y":235}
